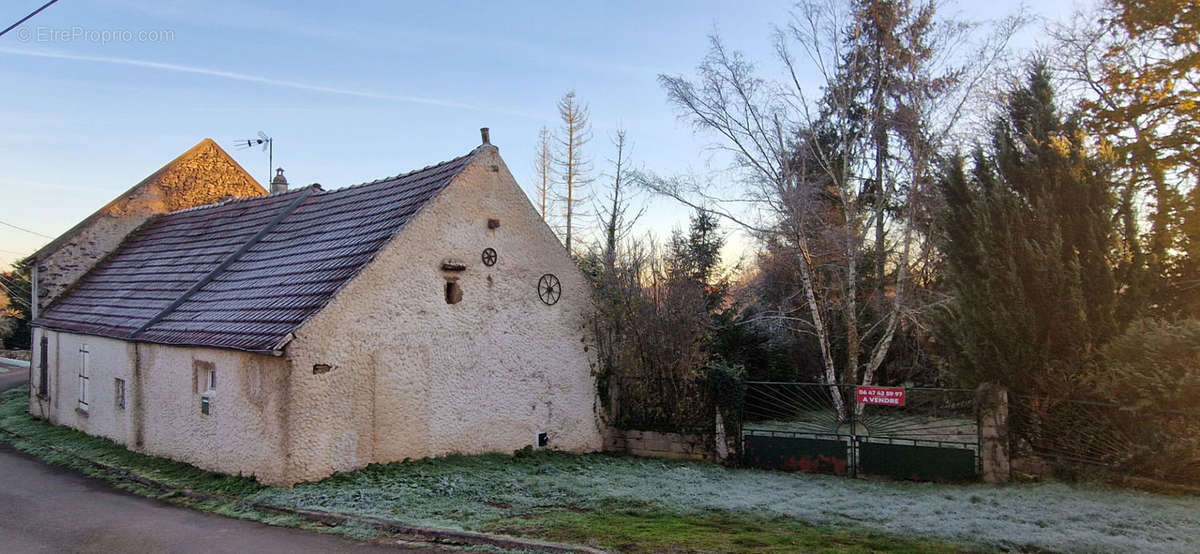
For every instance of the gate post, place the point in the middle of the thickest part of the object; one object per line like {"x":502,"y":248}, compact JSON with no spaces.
{"x":991,"y":402}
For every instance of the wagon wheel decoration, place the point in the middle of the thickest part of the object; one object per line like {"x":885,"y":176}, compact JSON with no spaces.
{"x":549,"y":289}
{"x":489,"y":257}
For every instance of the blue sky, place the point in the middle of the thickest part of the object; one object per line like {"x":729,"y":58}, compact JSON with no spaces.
{"x":99,"y":94}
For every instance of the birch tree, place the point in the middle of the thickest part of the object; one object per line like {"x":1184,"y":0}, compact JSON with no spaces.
{"x":820,"y":166}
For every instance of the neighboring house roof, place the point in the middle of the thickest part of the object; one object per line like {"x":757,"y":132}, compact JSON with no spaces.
{"x":182,"y":183}
{"x":245,"y":273}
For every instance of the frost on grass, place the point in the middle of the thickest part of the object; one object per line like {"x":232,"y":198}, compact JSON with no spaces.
{"x":471,"y":492}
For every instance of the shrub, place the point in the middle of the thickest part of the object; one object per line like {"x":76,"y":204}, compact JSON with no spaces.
{"x":1152,"y":371}
{"x":1154,"y":365}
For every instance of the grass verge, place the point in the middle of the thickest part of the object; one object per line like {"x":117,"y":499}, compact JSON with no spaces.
{"x":72,"y":444}
{"x":645,"y":529}
{"x":542,"y":495}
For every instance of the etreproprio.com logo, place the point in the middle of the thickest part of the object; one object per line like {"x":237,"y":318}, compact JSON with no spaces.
{"x":87,"y":34}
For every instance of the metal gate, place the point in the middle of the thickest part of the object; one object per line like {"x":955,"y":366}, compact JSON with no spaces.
{"x":918,"y":433}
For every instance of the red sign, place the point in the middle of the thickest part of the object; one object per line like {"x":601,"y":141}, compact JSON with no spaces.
{"x":881,"y":396}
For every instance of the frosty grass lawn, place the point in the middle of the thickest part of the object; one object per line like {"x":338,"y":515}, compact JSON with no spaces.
{"x":647,"y":505}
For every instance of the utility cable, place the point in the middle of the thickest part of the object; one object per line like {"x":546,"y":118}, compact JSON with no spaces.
{"x":24,"y":229}
{"x":28,"y":17}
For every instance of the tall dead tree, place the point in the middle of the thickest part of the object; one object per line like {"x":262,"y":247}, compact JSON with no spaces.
{"x":614,"y":213}
{"x":573,"y":166}
{"x":543,"y":168}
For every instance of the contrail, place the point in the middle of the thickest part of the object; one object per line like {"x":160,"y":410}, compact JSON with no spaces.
{"x":241,"y":77}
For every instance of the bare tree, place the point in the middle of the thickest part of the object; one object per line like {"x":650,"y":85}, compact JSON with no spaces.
{"x":819,"y":171}
{"x":616,"y":221}
{"x":543,"y":167}
{"x":573,"y":166}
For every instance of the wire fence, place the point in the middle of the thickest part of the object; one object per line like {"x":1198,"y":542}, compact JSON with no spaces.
{"x":925,"y":414}
{"x":1159,"y":444}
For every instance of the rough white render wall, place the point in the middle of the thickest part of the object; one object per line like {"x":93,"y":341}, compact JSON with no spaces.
{"x":244,"y":432}
{"x":107,"y":359}
{"x":417,"y":377}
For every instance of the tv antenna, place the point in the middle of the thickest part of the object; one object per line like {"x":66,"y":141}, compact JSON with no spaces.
{"x":268,"y":146}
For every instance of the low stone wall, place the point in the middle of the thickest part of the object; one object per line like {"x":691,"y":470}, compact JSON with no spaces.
{"x":15,"y":354}
{"x":675,"y":446}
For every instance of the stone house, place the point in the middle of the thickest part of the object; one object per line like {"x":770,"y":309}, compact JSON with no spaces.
{"x":203,"y":175}
{"x":308,"y":332}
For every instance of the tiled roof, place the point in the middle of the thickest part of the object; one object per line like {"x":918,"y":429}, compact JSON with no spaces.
{"x":245,"y":273}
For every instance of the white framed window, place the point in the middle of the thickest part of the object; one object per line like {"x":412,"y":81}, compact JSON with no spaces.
{"x":204,"y":383}
{"x":84,"y":377}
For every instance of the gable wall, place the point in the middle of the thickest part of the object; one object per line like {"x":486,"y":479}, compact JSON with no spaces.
{"x":78,"y":254}
{"x":417,"y":377}
{"x":203,"y":175}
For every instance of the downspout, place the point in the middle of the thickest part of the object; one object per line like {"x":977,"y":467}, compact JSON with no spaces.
{"x":139,"y":411}
{"x":33,"y":294}
{"x":33,"y":392}
{"x":33,"y":313}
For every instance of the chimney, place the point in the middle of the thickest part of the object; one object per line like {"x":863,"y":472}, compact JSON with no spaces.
{"x":483,"y":133}
{"x":279,"y":183}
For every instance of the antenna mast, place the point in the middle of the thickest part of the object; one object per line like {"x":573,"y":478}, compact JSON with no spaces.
{"x":268,"y":146}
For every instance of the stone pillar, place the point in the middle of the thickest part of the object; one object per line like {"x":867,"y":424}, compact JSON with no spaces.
{"x":991,"y":402}
{"x":722,"y":443}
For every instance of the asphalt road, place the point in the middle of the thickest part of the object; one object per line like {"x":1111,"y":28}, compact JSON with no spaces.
{"x":7,"y":365}
{"x":46,"y":508}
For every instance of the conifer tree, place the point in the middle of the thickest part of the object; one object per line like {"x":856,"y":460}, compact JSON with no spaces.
{"x":1027,"y":238}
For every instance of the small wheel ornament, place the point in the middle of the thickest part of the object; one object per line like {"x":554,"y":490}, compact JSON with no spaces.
{"x":489,"y":257}
{"x":549,"y":289}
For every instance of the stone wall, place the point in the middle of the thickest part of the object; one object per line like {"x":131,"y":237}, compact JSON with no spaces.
{"x":205,"y":174}
{"x":15,"y":354}
{"x":76,"y":255}
{"x":653,"y":444}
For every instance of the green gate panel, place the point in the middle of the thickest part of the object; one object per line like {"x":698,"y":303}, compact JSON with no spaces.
{"x":918,"y":463}
{"x":794,"y":453}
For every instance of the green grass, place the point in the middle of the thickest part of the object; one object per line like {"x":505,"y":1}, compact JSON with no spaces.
{"x":13,"y":418}
{"x":545,"y":495}
{"x":644,"y":529}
